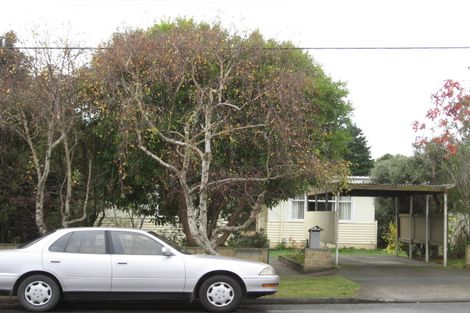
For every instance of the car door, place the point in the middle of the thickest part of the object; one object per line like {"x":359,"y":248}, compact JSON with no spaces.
{"x":81,"y":261}
{"x":138,"y":265}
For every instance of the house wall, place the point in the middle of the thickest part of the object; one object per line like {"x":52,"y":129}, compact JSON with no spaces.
{"x":363,"y":210}
{"x":358,"y":235}
{"x":326,"y":220}
{"x":359,"y":232}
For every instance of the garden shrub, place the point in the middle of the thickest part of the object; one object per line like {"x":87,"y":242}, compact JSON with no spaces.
{"x":255,"y":240}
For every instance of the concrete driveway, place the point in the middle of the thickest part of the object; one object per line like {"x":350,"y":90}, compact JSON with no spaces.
{"x":389,"y":278}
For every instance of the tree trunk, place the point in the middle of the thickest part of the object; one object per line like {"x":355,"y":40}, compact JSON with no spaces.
{"x":39,"y":208}
{"x":183,"y":217}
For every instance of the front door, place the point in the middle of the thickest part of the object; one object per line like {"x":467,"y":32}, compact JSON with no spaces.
{"x":139,"y":266}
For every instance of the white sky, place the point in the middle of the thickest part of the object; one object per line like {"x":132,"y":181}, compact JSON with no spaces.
{"x":388,"y":89}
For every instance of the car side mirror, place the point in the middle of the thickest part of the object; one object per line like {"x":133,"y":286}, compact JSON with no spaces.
{"x":166,"y":251}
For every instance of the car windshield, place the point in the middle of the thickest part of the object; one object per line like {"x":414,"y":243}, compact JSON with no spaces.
{"x":168,"y":242}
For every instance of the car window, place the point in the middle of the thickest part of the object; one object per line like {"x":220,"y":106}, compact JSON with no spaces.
{"x":60,"y":244}
{"x":90,"y":242}
{"x":135,"y":244}
{"x":169,"y":242}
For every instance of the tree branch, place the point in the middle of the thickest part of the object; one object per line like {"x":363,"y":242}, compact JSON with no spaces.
{"x":237,"y":129}
{"x":85,"y":201}
{"x":255,"y":210}
{"x":154,"y":156}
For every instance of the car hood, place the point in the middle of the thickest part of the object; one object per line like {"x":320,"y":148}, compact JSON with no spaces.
{"x":201,"y":263}
{"x":224,"y":259}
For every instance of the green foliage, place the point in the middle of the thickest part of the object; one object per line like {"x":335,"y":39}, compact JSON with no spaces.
{"x":255,"y":240}
{"x":390,"y":237}
{"x":305,"y":111}
{"x":358,"y":153}
{"x":457,"y":248}
{"x":298,"y":255}
{"x":397,"y":169}
{"x":400,"y":169}
{"x":281,"y":247}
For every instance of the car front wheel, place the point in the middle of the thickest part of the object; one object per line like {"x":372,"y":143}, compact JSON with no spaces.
{"x":220,"y":294}
{"x":38,"y":293}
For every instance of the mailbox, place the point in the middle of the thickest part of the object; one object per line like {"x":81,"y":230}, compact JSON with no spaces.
{"x":314,"y":237}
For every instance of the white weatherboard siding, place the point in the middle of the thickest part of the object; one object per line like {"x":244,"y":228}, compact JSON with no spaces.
{"x":287,"y":232}
{"x":359,"y":232}
{"x":358,"y":235}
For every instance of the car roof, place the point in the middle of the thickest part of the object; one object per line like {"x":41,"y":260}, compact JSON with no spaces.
{"x":64,"y":230}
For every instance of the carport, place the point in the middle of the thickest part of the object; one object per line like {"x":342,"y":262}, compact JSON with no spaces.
{"x":410,"y":229}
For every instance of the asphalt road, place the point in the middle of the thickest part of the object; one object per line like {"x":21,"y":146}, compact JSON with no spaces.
{"x":455,"y":307}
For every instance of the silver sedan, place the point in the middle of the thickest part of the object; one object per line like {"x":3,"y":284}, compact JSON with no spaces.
{"x":126,"y":263}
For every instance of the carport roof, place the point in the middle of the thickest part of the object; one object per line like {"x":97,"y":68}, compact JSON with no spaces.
{"x":387,"y":190}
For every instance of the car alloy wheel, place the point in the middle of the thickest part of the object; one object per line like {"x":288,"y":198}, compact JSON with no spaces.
{"x":38,"y":293}
{"x":220,"y":293}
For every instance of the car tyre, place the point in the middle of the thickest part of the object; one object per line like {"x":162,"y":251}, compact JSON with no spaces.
{"x":38,"y":293}
{"x":220,"y":293}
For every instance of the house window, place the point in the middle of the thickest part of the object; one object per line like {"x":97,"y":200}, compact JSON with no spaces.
{"x":297,"y":208}
{"x":345,"y":208}
{"x":320,"y":203}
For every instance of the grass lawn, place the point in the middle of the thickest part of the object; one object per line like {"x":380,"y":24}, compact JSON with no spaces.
{"x":316,"y":287}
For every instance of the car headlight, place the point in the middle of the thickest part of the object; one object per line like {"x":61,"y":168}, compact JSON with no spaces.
{"x":268,"y":271}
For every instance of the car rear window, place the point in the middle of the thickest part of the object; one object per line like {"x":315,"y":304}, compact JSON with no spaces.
{"x":60,"y":244}
{"x":86,"y":242}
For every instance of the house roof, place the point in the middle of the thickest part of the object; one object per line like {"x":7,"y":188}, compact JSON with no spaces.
{"x":387,"y":190}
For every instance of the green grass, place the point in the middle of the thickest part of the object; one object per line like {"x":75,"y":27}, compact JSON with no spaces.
{"x":452,"y":263}
{"x":316,"y":287}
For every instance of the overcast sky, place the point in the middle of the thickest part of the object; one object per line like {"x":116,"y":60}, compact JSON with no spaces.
{"x":389,"y":89}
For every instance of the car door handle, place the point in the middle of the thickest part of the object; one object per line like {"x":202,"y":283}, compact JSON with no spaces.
{"x":55,"y":261}
{"x":122,"y":263}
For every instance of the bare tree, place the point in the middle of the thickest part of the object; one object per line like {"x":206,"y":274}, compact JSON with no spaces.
{"x":42,"y":113}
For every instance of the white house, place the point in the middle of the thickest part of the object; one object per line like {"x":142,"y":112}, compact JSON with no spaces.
{"x":290,"y":220}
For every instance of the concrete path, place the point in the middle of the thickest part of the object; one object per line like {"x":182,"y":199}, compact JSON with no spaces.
{"x":400,"y":279}
{"x":397,"y":279}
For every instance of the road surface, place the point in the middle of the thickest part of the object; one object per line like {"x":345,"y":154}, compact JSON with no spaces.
{"x":454,"y":307}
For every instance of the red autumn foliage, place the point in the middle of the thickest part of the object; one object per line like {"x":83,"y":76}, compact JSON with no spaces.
{"x":448,"y":121}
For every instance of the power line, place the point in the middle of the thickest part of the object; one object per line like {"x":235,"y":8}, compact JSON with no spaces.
{"x":274,"y":48}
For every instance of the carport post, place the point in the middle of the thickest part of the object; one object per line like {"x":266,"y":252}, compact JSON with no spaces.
{"x":337,"y":228}
{"x":445,"y":229}
{"x":396,"y":226}
{"x":427,"y":229}
{"x":410,"y":248}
